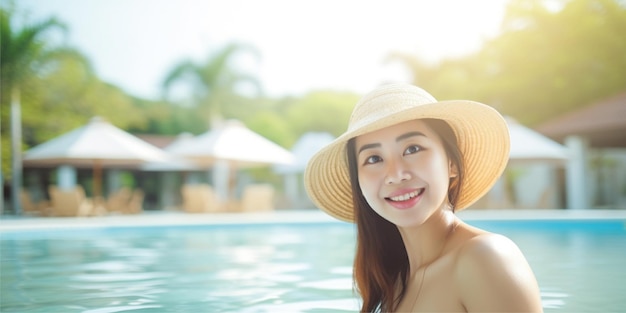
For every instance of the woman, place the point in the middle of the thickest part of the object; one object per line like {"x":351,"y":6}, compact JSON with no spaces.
{"x":400,"y":171}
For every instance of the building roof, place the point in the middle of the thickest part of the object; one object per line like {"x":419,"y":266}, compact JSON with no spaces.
{"x":159,"y":141}
{"x":602,"y":123}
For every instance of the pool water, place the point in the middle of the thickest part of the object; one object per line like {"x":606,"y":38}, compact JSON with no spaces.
{"x":303,"y":267}
{"x":179,"y":269}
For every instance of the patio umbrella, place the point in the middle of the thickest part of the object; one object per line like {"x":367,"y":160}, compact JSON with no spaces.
{"x":98,"y":144}
{"x":233,"y":143}
{"x":229,"y":147}
{"x":306,"y":146}
{"x":303,"y":150}
{"x":528,"y":145}
{"x":173,"y":163}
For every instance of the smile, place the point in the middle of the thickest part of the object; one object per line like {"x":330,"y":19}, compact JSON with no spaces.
{"x":406,"y":196}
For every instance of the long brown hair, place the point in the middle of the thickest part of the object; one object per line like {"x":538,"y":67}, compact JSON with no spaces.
{"x":381,"y":257}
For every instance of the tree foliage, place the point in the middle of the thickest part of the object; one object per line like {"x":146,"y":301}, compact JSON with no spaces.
{"x":23,"y":54}
{"x":59,"y":89}
{"x":323,"y":111}
{"x":68,"y":97}
{"x":22,"y":50}
{"x":545,"y":62}
{"x":211,"y":82}
{"x":163,"y":118}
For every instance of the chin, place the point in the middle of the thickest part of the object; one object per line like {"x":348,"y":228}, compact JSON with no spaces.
{"x":409,"y":219}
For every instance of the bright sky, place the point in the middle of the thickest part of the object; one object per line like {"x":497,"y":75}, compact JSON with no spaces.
{"x":304,"y":45}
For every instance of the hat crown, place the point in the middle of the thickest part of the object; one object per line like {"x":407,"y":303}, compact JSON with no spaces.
{"x":387,"y":100}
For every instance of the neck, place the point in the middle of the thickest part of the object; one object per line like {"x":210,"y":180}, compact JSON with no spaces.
{"x":426,"y":243}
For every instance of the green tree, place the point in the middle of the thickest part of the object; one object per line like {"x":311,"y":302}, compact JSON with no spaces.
{"x":549,"y":61}
{"x":23,"y":54}
{"x":448,"y":79}
{"x":163,"y":118}
{"x":54,"y":87}
{"x":67,"y":95}
{"x":326,"y":111}
{"x":211,"y":82}
{"x":545,"y":61}
{"x":272,"y":126}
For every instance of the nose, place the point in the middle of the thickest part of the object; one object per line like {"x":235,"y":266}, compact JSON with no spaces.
{"x":397,"y":171}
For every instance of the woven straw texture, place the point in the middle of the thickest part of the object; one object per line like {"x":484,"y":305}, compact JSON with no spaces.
{"x":481,"y":132}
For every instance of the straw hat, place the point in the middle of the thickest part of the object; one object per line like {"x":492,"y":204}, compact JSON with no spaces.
{"x":482,"y":137}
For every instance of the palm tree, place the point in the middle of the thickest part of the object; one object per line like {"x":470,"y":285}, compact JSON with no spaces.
{"x":213,"y":81}
{"x":22,"y":55}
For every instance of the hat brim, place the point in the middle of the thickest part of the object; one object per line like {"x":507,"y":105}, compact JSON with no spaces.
{"x":482,"y":136}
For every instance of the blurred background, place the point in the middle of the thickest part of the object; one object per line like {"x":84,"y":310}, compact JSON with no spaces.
{"x":159,"y":69}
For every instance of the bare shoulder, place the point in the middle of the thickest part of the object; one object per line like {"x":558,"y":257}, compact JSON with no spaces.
{"x":493,"y":275}
{"x":490,"y":257}
{"x":488,"y":248}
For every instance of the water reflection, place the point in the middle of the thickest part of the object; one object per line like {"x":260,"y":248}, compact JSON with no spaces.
{"x":267,"y":269}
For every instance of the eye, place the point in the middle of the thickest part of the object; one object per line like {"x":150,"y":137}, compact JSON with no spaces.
{"x":412,"y":149}
{"x":372,"y":159}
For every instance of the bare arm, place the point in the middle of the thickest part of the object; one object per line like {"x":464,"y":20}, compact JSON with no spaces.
{"x":494,"y":276}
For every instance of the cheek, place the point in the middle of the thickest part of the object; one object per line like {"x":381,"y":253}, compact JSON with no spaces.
{"x":369,"y":186}
{"x":440,"y":175}
{"x":439,"y":168}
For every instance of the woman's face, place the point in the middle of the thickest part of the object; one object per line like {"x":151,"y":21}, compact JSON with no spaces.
{"x":404,"y":172}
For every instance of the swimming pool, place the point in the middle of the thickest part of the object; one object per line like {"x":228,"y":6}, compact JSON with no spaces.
{"x":271,"y":267}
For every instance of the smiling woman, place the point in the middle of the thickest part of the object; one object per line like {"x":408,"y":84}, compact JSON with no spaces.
{"x":405,"y":165}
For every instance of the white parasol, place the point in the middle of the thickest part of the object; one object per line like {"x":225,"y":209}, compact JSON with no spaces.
{"x":304,"y":149}
{"x":528,"y":145}
{"x":97,"y":144}
{"x":227,"y":148}
{"x":233,"y":143}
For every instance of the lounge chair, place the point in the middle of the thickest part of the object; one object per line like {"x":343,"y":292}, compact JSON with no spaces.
{"x":70,"y":202}
{"x":135,"y":203}
{"x":125,"y":201}
{"x":117,"y":201}
{"x":199,"y":199}
{"x":31,"y":207}
{"x":258,"y":197}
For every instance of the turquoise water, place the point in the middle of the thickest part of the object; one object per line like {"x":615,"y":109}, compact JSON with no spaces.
{"x":271,"y":268}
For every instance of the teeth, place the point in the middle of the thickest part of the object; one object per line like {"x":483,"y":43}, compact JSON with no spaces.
{"x":405,"y":196}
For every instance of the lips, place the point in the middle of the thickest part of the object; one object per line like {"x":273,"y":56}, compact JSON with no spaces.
{"x":405,"y":199}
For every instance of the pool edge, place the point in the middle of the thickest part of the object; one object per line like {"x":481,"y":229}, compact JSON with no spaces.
{"x":11,"y":224}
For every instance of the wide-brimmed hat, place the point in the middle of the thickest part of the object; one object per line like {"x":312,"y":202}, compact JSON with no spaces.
{"x":481,"y":132}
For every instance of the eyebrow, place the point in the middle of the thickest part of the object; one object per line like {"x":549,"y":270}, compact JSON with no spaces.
{"x":400,"y":138}
{"x":409,"y":134}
